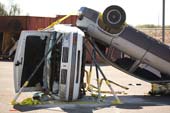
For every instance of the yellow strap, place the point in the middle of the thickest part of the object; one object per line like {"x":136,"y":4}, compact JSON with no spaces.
{"x":13,"y":102}
{"x":107,"y":82}
{"x":60,"y":20}
{"x":26,"y":83}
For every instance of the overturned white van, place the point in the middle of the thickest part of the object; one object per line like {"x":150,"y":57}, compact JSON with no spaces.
{"x":61,"y":72}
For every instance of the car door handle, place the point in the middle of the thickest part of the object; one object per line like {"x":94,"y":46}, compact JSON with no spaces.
{"x":18,"y":62}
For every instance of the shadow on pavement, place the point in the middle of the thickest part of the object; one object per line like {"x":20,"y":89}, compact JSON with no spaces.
{"x":85,"y":105}
{"x":77,"y":109}
{"x":128,"y":102}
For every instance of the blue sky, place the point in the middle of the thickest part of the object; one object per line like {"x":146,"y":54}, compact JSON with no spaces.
{"x":137,"y":11}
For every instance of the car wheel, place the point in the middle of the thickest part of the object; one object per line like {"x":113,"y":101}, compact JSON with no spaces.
{"x":114,"y":16}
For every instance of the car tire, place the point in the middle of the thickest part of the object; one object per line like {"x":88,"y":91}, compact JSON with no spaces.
{"x":114,"y":16}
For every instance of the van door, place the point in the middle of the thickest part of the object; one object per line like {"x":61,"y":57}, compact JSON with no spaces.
{"x":30,"y":50}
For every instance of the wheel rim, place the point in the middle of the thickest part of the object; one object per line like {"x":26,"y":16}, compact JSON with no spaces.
{"x":114,"y":16}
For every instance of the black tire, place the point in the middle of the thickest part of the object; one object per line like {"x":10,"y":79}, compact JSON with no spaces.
{"x":114,"y":16}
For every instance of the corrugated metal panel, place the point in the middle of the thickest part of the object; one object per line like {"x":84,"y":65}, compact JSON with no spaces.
{"x":18,"y":23}
{"x":34,"y":23}
{"x":12,"y":23}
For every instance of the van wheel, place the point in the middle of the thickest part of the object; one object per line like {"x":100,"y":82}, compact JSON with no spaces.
{"x":114,"y":16}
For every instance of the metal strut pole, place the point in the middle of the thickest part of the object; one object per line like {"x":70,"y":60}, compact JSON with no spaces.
{"x":97,"y":75}
{"x":163,"y":21}
{"x":104,"y":77}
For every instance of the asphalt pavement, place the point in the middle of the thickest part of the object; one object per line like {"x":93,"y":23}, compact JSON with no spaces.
{"x":134,"y":100}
